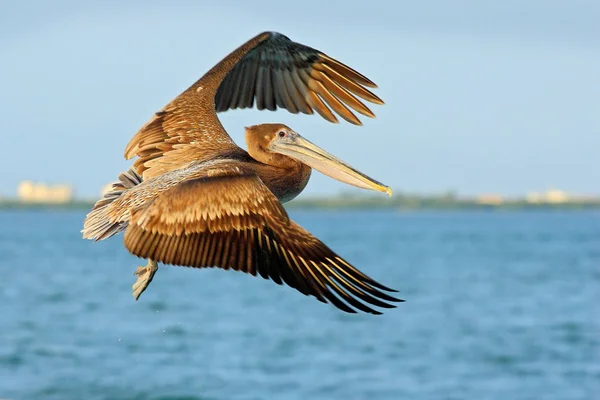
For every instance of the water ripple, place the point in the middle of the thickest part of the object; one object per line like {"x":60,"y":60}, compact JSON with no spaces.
{"x":499,"y":306}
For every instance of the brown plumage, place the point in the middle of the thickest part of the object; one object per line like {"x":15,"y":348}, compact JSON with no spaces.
{"x":194,"y":198}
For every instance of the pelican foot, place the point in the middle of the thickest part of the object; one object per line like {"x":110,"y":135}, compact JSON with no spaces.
{"x":144,"y":277}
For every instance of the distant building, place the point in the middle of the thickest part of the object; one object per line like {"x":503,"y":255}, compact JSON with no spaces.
{"x":556,"y":196}
{"x":552,"y":196}
{"x":32,"y":192}
{"x":489,"y":199}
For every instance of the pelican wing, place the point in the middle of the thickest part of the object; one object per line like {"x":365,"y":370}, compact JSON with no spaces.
{"x":269,"y":68}
{"x":234,"y":222}
{"x":177,"y":135}
{"x":278,"y":72}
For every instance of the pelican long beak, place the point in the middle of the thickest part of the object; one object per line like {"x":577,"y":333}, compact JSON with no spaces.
{"x":303,"y":150}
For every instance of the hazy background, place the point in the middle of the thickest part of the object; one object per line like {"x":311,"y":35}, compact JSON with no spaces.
{"x":481,"y":96}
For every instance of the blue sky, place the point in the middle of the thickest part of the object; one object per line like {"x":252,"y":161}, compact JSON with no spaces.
{"x":481,"y":96}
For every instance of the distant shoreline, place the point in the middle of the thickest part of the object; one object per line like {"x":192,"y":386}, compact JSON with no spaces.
{"x":357,"y":203}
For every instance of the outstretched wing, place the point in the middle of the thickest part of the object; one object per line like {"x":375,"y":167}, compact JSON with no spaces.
{"x":269,"y":68}
{"x":182,"y":132}
{"x":281,"y":73}
{"x":235,"y":222}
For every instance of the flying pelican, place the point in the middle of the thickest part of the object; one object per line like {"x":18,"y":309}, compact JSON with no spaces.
{"x":194,"y":198}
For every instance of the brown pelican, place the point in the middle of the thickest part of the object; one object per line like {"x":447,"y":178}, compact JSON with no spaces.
{"x":194,"y":198}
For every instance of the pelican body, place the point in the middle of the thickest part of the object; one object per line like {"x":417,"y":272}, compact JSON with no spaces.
{"x":194,"y":198}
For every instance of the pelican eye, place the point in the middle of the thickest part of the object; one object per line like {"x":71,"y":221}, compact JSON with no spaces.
{"x":281,"y":133}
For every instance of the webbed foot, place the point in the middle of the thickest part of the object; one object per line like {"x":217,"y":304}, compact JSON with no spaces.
{"x":145,"y":275}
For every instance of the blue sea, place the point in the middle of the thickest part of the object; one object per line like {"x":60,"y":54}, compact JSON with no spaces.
{"x":499,"y":305}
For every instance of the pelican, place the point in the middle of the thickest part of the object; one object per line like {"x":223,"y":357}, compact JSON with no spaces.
{"x":194,"y":198}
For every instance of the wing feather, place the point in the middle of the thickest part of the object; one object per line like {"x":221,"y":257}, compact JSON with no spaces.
{"x":234,"y":221}
{"x":269,"y":69}
{"x":277,"y":56}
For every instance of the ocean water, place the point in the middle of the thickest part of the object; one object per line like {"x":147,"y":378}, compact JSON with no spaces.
{"x":499,"y":305}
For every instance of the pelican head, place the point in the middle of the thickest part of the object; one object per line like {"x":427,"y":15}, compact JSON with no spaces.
{"x":273,"y":140}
